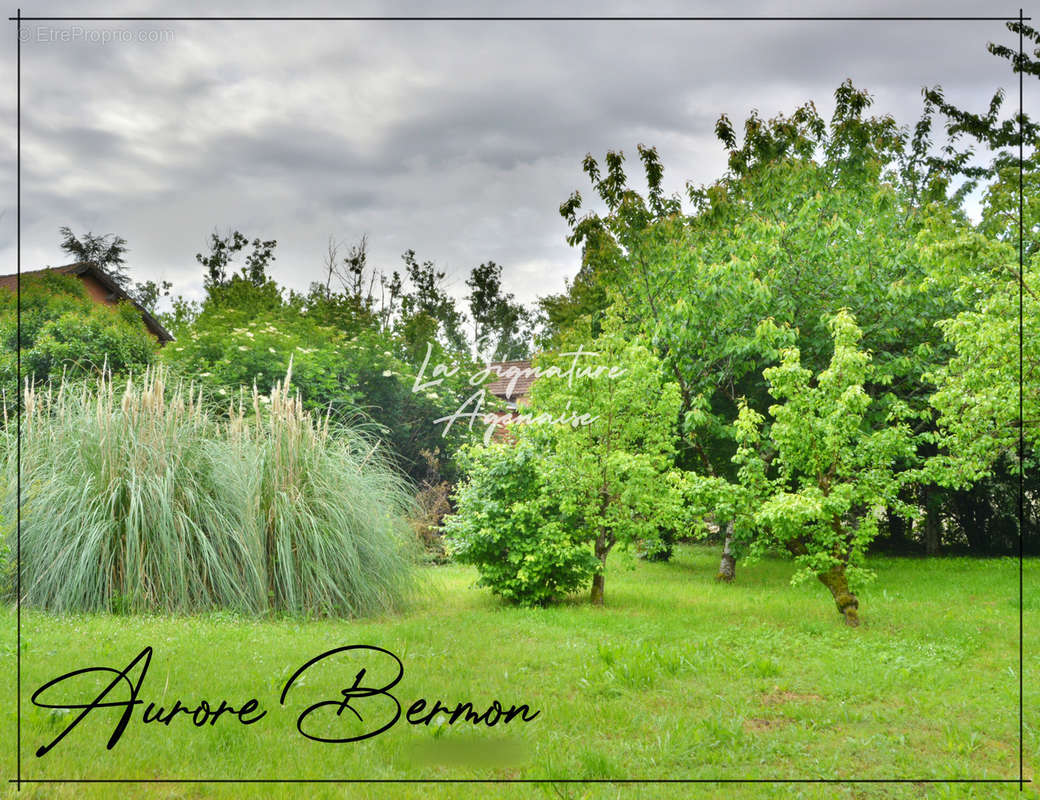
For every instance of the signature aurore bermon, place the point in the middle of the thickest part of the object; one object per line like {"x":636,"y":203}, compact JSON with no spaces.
{"x":317,"y":722}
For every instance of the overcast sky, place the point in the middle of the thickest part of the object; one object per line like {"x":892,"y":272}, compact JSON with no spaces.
{"x":456,"y":139}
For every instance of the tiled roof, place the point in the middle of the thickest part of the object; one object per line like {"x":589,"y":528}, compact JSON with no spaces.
{"x":513,"y":379}
{"x":11,"y":281}
{"x":102,"y":277}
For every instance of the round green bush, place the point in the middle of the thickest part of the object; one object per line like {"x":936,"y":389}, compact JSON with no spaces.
{"x":510,"y":527}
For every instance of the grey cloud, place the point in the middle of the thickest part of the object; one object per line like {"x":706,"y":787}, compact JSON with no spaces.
{"x":456,"y":139}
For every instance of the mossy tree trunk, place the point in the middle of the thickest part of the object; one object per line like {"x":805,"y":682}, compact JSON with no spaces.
{"x":837,"y":582}
{"x":728,"y":565}
{"x":847,"y":603}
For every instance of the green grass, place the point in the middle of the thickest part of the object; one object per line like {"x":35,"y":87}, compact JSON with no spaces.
{"x":676,"y":677}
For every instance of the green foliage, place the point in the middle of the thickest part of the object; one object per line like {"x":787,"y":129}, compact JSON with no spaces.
{"x":498,"y":320}
{"x":978,"y":389}
{"x":614,"y":474}
{"x":64,"y":331}
{"x":142,"y":500}
{"x":222,"y":251}
{"x":357,"y":350}
{"x":977,"y":395}
{"x":583,"y":302}
{"x":528,"y":512}
{"x":1000,"y":136}
{"x":428,"y":299}
{"x":814,"y":216}
{"x":416,"y":306}
{"x":604,"y":241}
{"x":148,"y":293}
{"x":246,"y":335}
{"x":814,"y":484}
{"x":513,"y":529}
{"x":106,"y":251}
{"x":231,"y":345}
{"x":810,"y":219}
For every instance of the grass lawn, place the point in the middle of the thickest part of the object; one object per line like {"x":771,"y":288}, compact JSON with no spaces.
{"x":677,"y":677}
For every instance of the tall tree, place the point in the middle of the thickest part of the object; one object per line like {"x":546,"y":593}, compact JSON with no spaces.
{"x":824,"y":468}
{"x":222,"y":252}
{"x":498,"y":320}
{"x":106,"y":251}
{"x":593,"y":468}
{"x":148,"y":293}
{"x":809,"y":218}
{"x":363,"y":289}
{"x":978,"y":391}
{"x":616,"y":473}
{"x":426,"y":307}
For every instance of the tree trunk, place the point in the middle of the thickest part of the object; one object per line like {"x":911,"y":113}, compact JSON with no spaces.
{"x":597,"y":589}
{"x":838,"y":583}
{"x":602,"y":548}
{"x":728,"y":565}
{"x":848,"y":606}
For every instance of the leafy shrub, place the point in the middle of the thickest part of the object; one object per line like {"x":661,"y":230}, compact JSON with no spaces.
{"x":615,"y":474}
{"x":144,"y":499}
{"x":65,"y":331}
{"x":525,"y":548}
{"x":343,"y":365}
{"x":540,"y":517}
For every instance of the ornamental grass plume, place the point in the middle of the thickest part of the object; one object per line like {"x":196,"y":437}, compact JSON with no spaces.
{"x":145,"y":499}
{"x":331,"y":513}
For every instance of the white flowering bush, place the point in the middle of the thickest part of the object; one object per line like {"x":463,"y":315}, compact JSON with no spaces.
{"x":344,"y":367}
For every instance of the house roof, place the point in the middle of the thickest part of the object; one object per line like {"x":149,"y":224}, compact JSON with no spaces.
{"x":513,"y":379}
{"x":101,"y":276}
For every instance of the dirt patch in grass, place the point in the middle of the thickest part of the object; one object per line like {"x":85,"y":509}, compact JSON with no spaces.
{"x":761,"y":724}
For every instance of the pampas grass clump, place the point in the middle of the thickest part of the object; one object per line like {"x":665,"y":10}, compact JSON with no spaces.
{"x":145,"y":500}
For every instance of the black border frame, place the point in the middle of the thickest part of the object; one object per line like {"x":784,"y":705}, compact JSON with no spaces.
{"x":1021,"y":780}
